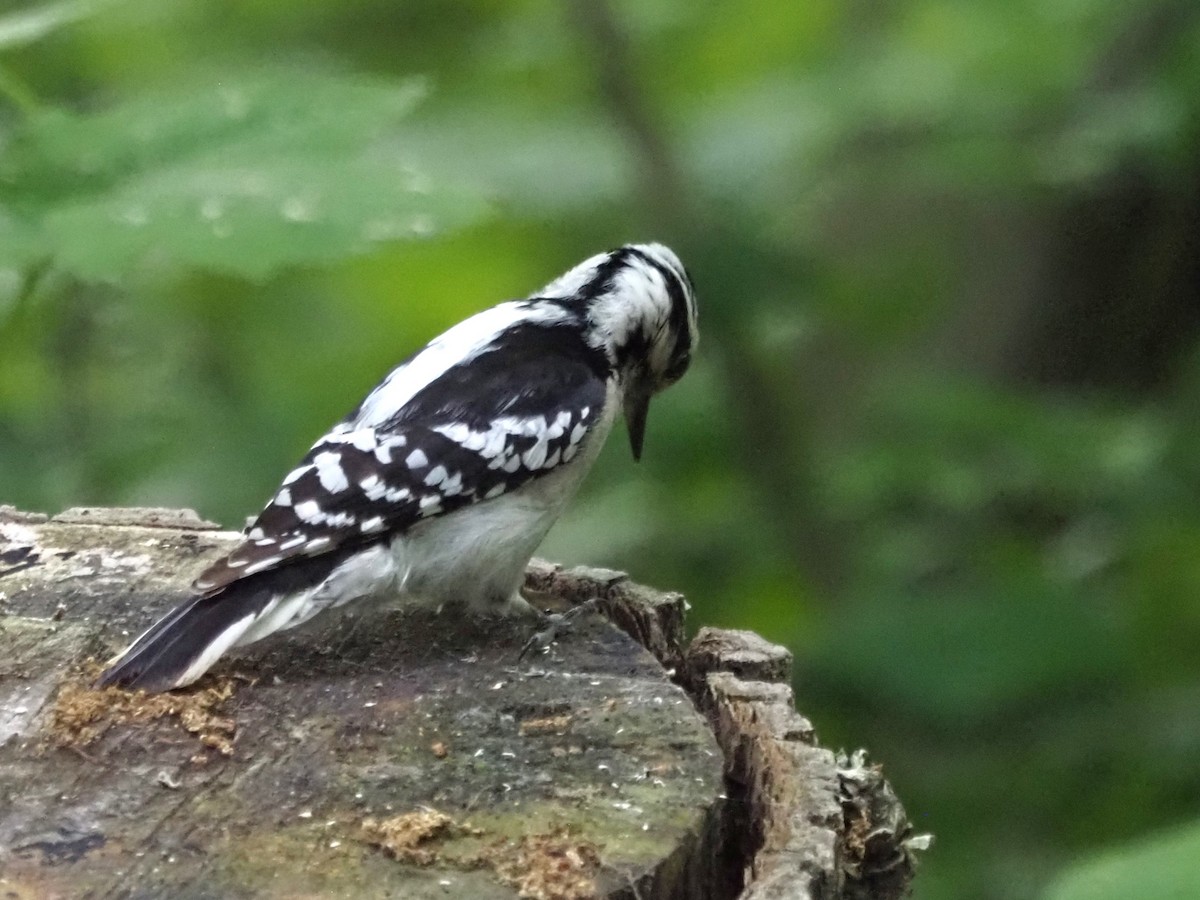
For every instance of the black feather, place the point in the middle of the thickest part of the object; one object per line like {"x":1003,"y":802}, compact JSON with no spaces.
{"x":529,"y":370}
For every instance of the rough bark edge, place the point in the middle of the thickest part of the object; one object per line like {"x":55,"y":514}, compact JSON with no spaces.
{"x":141,"y":516}
{"x":799,"y":820}
{"x":812,"y":824}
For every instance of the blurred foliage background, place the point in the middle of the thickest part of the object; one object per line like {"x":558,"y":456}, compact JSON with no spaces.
{"x":942,"y":435}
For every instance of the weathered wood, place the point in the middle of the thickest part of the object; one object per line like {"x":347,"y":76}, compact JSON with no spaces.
{"x":400,"y":754}
{"x":808,"y":824}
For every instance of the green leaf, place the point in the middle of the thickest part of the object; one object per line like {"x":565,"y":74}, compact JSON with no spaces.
{"x":1162,"y":866}
{"x":26,"y":26}
{"x":20,"y":242}
{"x":243,"y":174}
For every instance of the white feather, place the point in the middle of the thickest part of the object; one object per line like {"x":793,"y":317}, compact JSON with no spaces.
{"x":462,"y":343}
{"x":572,"y":282}
{"x":215,"y":650}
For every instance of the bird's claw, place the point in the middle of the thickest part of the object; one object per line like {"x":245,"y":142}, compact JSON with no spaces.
{"x":552,"y":625}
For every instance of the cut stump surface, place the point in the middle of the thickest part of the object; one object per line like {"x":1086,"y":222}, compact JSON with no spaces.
{"x":580,"y":772}
{"x":409,"y":754}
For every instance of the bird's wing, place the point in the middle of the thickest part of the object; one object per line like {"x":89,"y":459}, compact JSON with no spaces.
{"x":465,"y":438}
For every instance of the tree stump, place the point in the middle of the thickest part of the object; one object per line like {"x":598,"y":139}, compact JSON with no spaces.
{"x":401,"y":753}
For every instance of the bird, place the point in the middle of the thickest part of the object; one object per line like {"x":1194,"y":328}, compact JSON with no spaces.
{"x":440,"y":485}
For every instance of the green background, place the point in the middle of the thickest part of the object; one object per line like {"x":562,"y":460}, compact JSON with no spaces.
{"x":941,"y":437}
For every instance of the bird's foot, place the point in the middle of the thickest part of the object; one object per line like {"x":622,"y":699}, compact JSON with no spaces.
{"x":552,"y":625}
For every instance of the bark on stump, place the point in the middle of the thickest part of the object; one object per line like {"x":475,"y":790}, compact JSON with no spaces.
{"x":406,"y":754}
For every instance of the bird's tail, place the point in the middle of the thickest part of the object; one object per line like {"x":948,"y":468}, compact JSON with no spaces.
{"x":183,"y":644}
{"x":187,"y":641}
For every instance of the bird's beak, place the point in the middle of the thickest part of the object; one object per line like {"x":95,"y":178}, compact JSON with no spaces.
{"x":637,"y":404}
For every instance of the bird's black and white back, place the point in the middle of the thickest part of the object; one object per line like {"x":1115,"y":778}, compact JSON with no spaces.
{"x":444,"y":480}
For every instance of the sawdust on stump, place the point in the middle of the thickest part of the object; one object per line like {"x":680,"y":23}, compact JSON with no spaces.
{"x":408,"y":837}
{"x":554,"y":865}
{"x":82,"y":714}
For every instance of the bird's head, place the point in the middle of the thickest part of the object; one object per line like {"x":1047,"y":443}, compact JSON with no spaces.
{"x":640,"y":310}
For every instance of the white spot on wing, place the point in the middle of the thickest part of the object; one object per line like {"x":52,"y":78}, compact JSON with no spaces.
{"x":467,"y":437}
{"x":494,"y":491}
{"x":456,"y":431}
{"x":559,"y":425}
{"x":283,"y":498}
{"x":310,"y":511}
{"x":329,"y":470}
{"x":373,"y":487}
{"x":383,"y":452}
{"x":535,"y":455}
{"x":436,"y":476}
{"x":495,"y":442}
{"x":340,"y":520}
{"x":416,"y":459}
{"x":372,"y":524}
{"x":296,"y":473}
{"x":259,"y":565}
